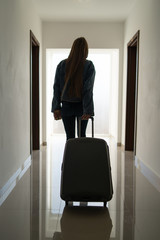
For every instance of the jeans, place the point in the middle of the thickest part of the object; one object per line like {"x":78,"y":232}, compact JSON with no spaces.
{"x":69,"y":125}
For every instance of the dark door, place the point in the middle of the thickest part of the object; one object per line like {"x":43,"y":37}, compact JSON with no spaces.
{"x":132,"y":93}
{"x":34,"y":92}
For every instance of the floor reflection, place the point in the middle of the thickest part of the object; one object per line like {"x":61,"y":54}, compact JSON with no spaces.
{"x":15,"y":212}
{"x":34,"y":210}
{"x":35,"y":195}
{"x":85,"y":223}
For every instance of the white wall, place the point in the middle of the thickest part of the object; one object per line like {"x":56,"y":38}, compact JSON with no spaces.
{"x":98,"y":35}
{"x":146,"y":18}
{"x":115,"y":104}
{"x":16,"y":19}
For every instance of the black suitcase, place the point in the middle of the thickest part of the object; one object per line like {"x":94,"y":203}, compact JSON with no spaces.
{"x":86,"y":171}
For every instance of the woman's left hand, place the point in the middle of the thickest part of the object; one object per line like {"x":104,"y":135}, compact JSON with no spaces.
{"x":57,"y":115}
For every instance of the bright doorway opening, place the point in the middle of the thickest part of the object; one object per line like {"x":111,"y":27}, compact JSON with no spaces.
{"x":106,"y":62}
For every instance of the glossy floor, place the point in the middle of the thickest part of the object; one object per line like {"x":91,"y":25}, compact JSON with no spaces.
{"x":34,"y":210}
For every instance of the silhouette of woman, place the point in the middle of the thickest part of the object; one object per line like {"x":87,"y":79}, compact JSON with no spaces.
{"x":73,"y":89}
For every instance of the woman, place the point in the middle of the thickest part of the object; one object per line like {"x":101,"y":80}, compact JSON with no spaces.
{"x":73,"y":89}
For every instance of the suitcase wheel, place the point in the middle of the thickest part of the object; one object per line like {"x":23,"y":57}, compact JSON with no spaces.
{"x":104,"y":204}
{"x":66,"y":203}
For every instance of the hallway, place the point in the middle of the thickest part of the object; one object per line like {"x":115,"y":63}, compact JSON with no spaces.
{"x":34,"y":210}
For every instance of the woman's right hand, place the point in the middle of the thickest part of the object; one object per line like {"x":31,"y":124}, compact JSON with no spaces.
{"x":85,"y":116}
{"x":57,"y":114}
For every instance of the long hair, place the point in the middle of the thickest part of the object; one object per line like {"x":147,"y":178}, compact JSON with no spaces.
{"x":74,"y":66}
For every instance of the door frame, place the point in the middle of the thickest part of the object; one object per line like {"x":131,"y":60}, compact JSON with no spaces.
{"x":132,"y":93}
{"x":34,"y":93}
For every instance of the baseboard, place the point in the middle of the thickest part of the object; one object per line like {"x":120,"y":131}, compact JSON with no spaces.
{"x":12,"y":182}
{"x":152,"y":177}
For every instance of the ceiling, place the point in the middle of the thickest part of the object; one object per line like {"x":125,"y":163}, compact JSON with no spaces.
{"x":84,"y":10}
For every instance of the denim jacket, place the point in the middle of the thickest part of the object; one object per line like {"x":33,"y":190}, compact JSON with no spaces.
{"x":60,"y":94}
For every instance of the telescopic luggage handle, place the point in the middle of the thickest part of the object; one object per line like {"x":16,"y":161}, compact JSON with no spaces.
{"x":92,"y":120}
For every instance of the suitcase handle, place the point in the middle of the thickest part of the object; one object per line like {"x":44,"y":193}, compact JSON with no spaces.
{"x":92,"y":120}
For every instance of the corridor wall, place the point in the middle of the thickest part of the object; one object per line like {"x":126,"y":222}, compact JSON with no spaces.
{"x":17,"y":18}
{"x":146,"y":18}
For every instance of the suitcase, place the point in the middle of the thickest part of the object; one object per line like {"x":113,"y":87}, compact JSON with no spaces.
{"x":86,"y":171}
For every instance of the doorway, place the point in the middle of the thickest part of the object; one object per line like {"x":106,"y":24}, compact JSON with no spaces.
{"x":34,"y":93}
{"x":106,"y":85}
{"x":132,"y":93}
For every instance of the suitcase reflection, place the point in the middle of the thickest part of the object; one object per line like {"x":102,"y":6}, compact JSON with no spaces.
{"x":84,"y":223}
